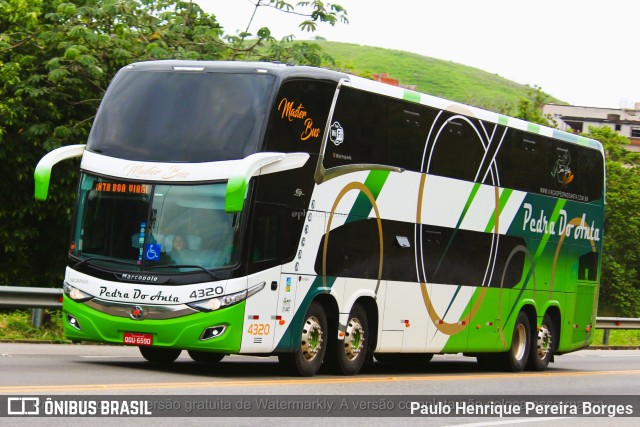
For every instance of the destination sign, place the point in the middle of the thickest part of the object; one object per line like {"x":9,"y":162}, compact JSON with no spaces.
{"x":121,"y":187}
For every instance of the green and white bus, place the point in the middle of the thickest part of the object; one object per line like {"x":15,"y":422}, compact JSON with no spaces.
{"x":264,"y":209}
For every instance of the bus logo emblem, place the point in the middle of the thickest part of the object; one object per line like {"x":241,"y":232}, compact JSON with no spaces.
{"x":136,"y":313}
{"x":336,"y":133}
{"x":561,"y":170}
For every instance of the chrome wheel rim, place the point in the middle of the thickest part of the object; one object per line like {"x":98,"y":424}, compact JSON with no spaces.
{"x":544,"y":342}
{"x":311,"y":338}
{"x":353,"y":339}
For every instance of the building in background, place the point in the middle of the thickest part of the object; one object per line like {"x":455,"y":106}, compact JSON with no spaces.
{"x":385,"y":78}
{"x":570,"y":118}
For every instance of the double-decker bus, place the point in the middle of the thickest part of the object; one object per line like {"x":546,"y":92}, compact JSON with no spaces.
{"x":258,"y":208}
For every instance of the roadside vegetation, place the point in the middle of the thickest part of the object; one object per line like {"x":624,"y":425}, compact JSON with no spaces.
{"x":16,"y":325}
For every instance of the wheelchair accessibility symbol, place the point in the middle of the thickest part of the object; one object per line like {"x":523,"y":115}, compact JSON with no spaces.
{"x":152,"y":251}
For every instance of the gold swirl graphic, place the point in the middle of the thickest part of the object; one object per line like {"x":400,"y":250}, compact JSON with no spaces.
{"x":442,"y":326}
{"x":364,"y":189}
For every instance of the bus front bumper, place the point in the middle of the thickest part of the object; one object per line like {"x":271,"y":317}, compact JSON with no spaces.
{"x":189,"y":332}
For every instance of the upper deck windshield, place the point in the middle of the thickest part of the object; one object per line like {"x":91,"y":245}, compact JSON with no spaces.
{"x":181,"y":116}
{"x":159,"y":228}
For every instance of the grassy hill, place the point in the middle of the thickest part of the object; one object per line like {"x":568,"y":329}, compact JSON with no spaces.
{"x":433,"y":76}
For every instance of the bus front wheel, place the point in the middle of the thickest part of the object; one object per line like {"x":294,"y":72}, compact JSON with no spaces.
{"x":308,"y":356}
{"x":160,"y":355}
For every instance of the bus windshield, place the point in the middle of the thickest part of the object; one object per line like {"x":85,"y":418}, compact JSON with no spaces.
{"x":161,"y":228}
{"x":164,"y":116}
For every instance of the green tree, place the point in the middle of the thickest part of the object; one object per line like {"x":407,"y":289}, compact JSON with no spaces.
{"x":263,"y":46}
{"x":56,"y":60}
{"x":530,"y":109}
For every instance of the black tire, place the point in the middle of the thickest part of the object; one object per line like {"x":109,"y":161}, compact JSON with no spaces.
{"x":543,"y":346}
{"x":407,"y":361}
{"x":515,"y":359}
{"x":160,"y":355}
{"x":206,"y":356}
{"x":306,"y":360}
{"x":350,"y":353}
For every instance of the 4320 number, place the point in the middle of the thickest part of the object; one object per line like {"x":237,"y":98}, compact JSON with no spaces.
{"x":259,"y":329}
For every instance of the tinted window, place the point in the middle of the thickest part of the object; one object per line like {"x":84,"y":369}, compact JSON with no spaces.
{"x":457,"y":151}
{"x":408,"y":129}
{"x":375,"y":129}
{"x":359,"y":129}
{"x":458,"y":257}
{"x":275,"y":233}
{"x":181,"y":116}
{"x":299,"y":116}
{"x":538,"y":164}
{"x":368,"y":128}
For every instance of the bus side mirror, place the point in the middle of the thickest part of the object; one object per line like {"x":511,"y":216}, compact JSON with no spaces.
{"x":42,"y":174}
{"x":256,"y":164}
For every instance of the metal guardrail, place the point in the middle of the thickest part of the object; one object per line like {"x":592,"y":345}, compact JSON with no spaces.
{"x":26,"y":297}
{"x":34,"y":298}
{"x":609,"y":323}
{"x":39,"y":298}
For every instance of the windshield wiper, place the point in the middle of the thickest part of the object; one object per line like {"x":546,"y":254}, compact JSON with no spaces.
{"x":198,"y":267}
{"x":98,"y":258}
{"x":148,"y":267}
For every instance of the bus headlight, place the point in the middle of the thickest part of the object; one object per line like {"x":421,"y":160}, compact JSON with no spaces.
{"x":76,"y":294}
{"x":223,"y":301}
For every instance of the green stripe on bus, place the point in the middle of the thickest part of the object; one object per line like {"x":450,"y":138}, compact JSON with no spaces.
{"x":411,"y":96}
{"x":362,"y":206}
{"x":474,"y":192}
{"x":504,"y":198}
{"x":472,"y":196}
{"x":554,"y":219}
{"x":290,"y":339}
{"x":534,"y":128}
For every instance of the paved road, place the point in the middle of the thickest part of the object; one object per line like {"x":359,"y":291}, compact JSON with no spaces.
{"x":41,"y":369}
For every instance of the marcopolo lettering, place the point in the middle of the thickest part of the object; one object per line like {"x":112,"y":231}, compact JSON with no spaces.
{"x":138,"y":277}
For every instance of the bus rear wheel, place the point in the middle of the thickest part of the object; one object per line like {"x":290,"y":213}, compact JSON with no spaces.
{"x":160,"y":355}
{"x":515,"y":359}
{"x":543,"y":349}
{"x":350,"y":353}
{"x":308,"y":356}
{"x":206,"y":356}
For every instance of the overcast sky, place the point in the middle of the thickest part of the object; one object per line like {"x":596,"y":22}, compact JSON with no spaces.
{"x":585,"y":52}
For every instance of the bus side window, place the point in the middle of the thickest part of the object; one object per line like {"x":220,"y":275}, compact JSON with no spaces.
{"x":266,"y":234}
{"x":458,"y":150}
{"x":274,"y":235}
{"x":588,"y":267}
{"x":408,"y":131}
{"x":363,"y":120}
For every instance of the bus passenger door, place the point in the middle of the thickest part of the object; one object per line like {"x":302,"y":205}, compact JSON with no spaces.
{"x":260,"y":313}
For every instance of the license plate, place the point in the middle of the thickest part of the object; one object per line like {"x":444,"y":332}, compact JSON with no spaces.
{"x":132,"y":338}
